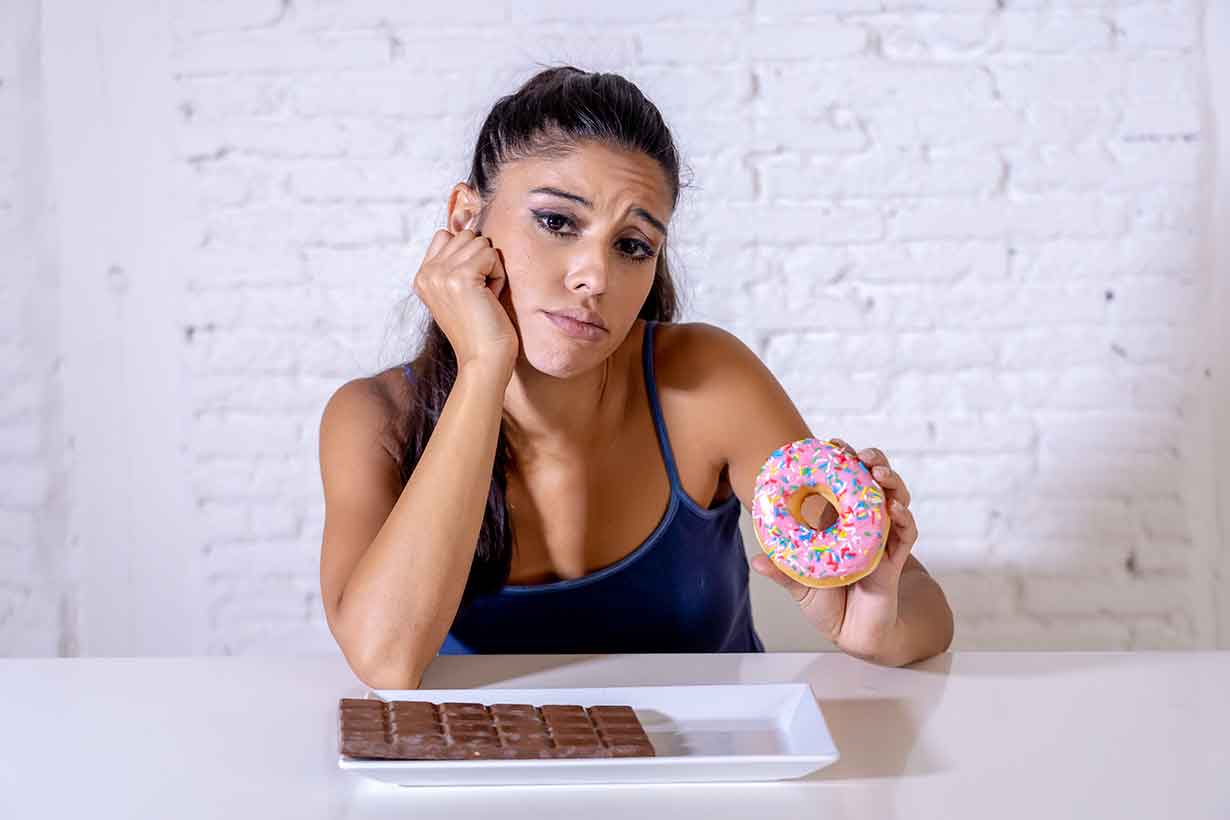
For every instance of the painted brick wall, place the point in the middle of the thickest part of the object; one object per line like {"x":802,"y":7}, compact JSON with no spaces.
{"x":987,"y":217}
{"x":30,"y":593}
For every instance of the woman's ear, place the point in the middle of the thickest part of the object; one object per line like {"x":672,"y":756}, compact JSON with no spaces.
{"x":464,"y":208}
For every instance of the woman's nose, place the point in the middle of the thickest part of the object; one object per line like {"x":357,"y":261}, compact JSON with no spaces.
{"x":589,"y":273}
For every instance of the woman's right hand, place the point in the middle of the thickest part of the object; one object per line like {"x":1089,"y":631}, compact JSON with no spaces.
{"x":460,"y":279}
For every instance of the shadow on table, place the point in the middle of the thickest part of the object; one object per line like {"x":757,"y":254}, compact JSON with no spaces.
{"x":879,"y":736}
{"x":876,"y":737}
{"x":1034,"y":663}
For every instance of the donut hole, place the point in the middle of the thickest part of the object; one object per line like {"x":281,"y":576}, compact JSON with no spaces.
{"x":818,"y":513}
{"x":813,"y":508}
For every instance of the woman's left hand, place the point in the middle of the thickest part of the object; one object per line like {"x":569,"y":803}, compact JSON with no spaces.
{"x":860,"y":618}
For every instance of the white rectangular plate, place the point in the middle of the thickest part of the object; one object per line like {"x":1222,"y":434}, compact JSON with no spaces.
{"x":706,"y":733}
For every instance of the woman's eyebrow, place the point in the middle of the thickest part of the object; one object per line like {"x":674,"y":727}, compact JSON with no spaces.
{"x":635,"y":210}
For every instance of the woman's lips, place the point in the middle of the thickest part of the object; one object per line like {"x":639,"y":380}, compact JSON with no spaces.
{"x":575,"y":329}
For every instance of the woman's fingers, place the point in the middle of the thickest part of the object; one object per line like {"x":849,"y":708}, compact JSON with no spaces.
{"x":766,"y":567}
{"x":871,"y":456}
{"x":874,"y":459}
{"x":461,"y":285}
{"x":437,"y":243}
{"x":463,"y":244}
{"x":477,"y":246}
{"x":904,"y":532}
{"x":497,"y":278}
{"x":892,"y":483}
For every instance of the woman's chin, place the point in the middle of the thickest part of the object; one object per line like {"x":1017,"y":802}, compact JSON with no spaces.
{"x":561,"y":361}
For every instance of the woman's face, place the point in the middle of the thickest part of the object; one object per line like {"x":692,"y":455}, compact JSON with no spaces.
{"x":578,"y":235}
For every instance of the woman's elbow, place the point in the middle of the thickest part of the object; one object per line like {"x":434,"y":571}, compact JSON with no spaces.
{"x":375,"y":664}
{"x":381,"y":669}
{"x":388,"y":676}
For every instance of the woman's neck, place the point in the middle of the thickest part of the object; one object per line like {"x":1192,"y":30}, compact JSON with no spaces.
{"x":552,"y":416}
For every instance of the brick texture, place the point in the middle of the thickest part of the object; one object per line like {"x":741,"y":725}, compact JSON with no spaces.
{"x":987,"y":216}
{"x":31,"y":589}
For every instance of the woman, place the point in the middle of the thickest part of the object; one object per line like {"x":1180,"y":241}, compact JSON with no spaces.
{"x":504,"y":491}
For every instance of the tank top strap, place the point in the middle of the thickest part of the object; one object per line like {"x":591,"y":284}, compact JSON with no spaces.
{"x":655,"y":407}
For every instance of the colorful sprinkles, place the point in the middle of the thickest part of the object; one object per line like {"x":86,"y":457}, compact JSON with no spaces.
{"x":852,"y":544}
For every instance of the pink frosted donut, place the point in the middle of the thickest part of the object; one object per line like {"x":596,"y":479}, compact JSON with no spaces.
{"x":845,"y":552}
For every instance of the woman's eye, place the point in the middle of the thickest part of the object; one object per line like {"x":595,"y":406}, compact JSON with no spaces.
{"x":638,"y":250}
{"x":553,"y":224}
{"x":557,"y":221}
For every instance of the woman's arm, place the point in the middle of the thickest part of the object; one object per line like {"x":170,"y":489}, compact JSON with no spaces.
{"x":924,"y":617}
{"x":894,"y":616}
{"x":391,"y":597}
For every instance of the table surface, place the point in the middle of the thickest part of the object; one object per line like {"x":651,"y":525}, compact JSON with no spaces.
{"x":966,"y":734}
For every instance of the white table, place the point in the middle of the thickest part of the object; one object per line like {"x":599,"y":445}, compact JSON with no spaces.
{"x":987,"y":735}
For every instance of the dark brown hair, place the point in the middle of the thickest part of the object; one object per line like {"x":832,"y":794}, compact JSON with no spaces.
{"x":553,"y":112}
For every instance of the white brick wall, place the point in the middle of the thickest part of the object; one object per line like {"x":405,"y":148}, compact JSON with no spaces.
{"x":995,"y":209}
{"x":31,"y":507}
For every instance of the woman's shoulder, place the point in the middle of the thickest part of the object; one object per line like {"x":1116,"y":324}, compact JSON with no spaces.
{"x":387,"y":396}
{"x":700,"y":358}
{"x":734,"y":406}
{"x":395,"y":384}
{"x":700,"y":371}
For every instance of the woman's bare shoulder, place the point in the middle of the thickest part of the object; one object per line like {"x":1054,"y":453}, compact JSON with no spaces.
{"x":388,"y":397}
{"x":389,"y":385}
{"x":734,"y":406}
{"x":697,"y":368}
{"x":696,"y":357}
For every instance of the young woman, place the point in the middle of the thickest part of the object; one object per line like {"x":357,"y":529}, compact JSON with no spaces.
{"x":561,"y":467}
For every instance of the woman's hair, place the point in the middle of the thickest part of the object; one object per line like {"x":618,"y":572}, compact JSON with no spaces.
{"x":549,"y":116}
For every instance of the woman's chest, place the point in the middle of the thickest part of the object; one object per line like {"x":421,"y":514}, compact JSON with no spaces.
{"x":572,"y":517}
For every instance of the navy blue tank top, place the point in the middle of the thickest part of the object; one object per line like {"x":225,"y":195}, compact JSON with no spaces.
{"x":684,"y":589}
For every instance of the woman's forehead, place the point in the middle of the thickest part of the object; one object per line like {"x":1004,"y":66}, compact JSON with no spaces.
{"x":605,"y":177}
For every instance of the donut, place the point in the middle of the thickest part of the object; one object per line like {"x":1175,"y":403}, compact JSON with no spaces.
{"x":841,"y":554}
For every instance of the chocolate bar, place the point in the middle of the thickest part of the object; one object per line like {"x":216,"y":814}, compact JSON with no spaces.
{"x":420,"y":730}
